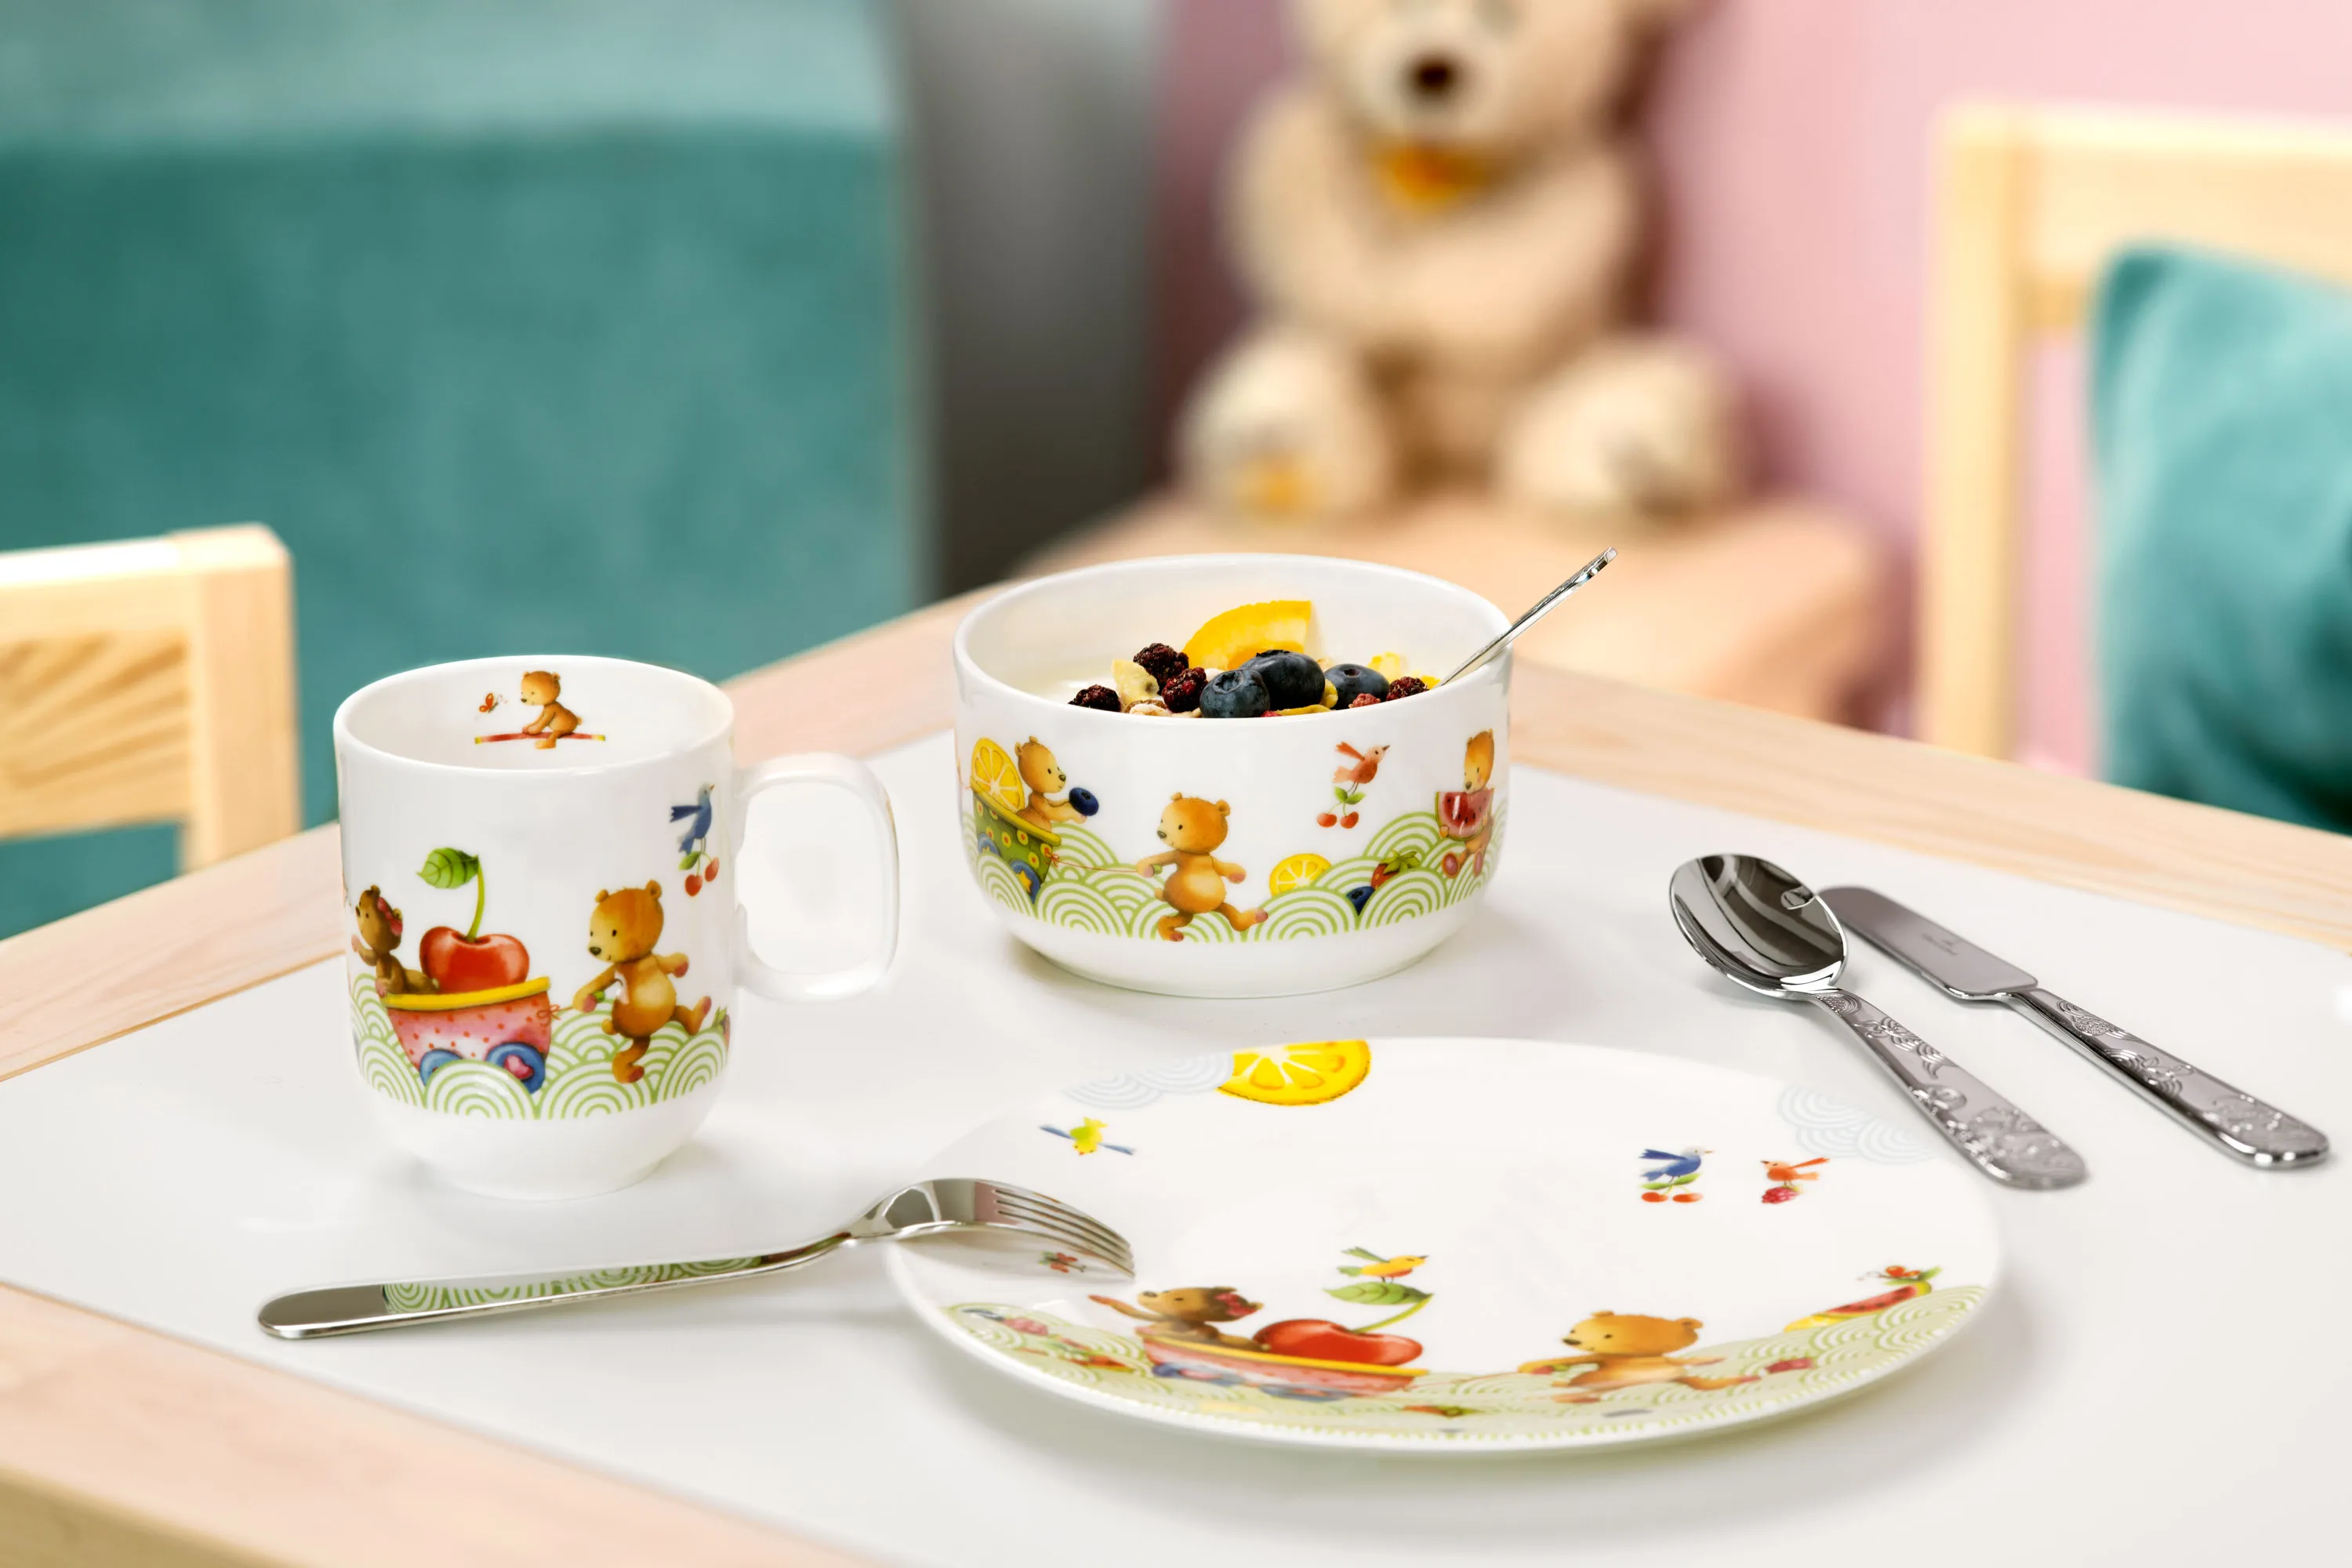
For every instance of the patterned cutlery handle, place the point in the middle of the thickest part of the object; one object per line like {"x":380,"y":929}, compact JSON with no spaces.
{"x":359,"y":1308}
{"x":2231,"y":1119}
{"x":1997,"y":1137}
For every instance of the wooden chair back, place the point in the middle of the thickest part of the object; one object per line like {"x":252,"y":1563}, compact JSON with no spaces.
{"x":151,"y":682}
{"x":2030,"y":205}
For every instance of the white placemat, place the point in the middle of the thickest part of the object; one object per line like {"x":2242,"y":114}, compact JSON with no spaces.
{"x":2158,"y":1380}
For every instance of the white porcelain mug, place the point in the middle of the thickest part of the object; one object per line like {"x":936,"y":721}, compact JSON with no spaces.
{"x":539,"y":878}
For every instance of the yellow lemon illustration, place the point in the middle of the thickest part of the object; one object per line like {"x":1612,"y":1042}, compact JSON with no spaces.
{"x":996,"y":779}
{"x":1296,"y":872}
{"x":1311,"y":1072}
{"x":1232,"y":640}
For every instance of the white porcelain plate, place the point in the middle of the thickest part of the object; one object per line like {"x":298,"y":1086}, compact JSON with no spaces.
{"x":1476,"y":1245}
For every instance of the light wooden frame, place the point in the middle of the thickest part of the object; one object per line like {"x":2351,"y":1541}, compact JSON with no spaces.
{"x":152,"y":681}
{"x":2030,"y":205}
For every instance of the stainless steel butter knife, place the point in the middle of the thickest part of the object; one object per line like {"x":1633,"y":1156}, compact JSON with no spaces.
{"x":2231,"y":1119}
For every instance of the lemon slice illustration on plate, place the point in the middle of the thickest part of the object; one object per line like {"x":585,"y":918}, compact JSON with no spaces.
{"x":1310,"y":1072}
{"x":1296,"y":873}
{"x":996,"y":779}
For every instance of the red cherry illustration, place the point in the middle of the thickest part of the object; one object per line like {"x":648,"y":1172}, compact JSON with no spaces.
{"x":710,"y":871}
{"x":1654,"y":1198}
{"x":693,"y":884}
{"x":1348,"y":820}
{"x":1325,"y":819}
{"x":1688,"y":1197}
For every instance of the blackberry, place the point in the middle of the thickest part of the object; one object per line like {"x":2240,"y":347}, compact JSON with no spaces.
{"x":1405,"y":685}
{"x":1364,"y":700}
{"x":1164,"y":663}
{"x":1098,"y":696}
{"x":1182,"y":692}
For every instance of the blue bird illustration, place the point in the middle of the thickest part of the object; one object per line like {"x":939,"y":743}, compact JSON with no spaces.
{"x":699,"y":829}
{"x":1672,"y":1179}
{"x":1685,"y":1164}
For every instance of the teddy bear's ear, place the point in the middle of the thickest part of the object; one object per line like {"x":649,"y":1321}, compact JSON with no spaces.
{"x":654,"y":888}
{"x":1223,"y":810}
{"x":1178,"y":795}
{"x":603,"y":893}
{"x":1690,"y":1322}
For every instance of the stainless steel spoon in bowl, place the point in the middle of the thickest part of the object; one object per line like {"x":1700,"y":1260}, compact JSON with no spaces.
{"x":1763,"y":929}
{"x":1536,"y":612}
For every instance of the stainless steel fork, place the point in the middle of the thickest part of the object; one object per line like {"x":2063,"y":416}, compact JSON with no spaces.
{"x":925,"y":1208}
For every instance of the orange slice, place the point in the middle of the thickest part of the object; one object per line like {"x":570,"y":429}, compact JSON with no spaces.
{"x":1296,"y":872}
{"x":995,"y":778}
{"x":1232,"y":640}
{"x":1311,"y":1072}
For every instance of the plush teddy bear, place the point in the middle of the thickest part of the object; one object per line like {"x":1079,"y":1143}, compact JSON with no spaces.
{"x":1440,"y":221}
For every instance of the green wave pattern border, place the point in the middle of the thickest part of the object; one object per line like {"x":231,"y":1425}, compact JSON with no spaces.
{"x":1090,"y":889}
{"x":580,"y":1081}
{"x":1491,"y":1408}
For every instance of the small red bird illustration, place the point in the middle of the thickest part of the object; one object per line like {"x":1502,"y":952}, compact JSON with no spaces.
{"x":1360,"y":768}
{"x":1786,"y":1176}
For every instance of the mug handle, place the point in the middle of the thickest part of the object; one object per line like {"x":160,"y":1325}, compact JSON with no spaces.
{"x":842,"y":773}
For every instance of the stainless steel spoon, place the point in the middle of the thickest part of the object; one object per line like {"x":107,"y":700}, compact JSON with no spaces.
{"x":1542,"y":608}
{"x":1764,"y":929}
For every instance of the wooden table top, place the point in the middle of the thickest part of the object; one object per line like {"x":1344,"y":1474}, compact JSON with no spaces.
{"x":120,"y":1446}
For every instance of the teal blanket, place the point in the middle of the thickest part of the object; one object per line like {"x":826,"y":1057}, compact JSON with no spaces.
{"x":531,"y":325}
{"x":2223,"y":422}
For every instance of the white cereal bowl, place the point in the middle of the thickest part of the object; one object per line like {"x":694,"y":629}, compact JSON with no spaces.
{"x":1061,"y":804}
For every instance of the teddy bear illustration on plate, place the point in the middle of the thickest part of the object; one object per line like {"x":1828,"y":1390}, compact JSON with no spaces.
{"x":1625,"y":1350}
{"x":623,"y":930}
{"x":1193,"y":829}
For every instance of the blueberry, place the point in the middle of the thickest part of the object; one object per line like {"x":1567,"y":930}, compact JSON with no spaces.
{"x":1084,"y":799}
{"x":1353,"y":680}
{"x":1360,"y":897}
{"x":1235,"y":694}
{"x":1292,"y":679}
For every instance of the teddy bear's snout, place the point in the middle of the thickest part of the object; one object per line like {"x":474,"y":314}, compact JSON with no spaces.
{"x":1433,"y":77}
{"x":595,"y":951}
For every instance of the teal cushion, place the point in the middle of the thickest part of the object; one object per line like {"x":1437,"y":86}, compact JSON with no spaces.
{"x":2221,"y":393}
{"x":531,"y":326}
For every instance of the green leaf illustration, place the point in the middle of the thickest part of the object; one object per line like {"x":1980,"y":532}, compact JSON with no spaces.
{"x":1377,"y":1293}
{"x":446,"y":868}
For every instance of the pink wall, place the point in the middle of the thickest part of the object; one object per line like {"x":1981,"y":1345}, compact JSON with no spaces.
{"x":1792,"y":142}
